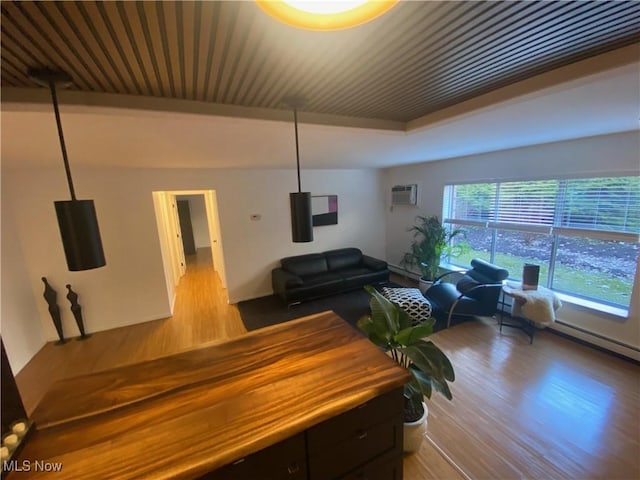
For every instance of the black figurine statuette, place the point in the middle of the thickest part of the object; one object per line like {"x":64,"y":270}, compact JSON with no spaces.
{"x":50,"y":295}
{"x":76,"y":309}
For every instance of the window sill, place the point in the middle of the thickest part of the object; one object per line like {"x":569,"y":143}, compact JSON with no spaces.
{"x":449,"y":267}
{"x":595,"y":306}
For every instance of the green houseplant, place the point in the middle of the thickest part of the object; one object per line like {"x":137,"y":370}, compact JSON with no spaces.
{"x":390,"y":327}
{"x":431,"y":241}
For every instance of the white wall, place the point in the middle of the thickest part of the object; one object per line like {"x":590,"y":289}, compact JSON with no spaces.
{"x":22,"y":332}
{"x":132,"y":287}
{"x":594,"y":156}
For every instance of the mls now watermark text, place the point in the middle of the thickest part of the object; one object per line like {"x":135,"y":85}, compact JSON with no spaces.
{"x":31,"y":466}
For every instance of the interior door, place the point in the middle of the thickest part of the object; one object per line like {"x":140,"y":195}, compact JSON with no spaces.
{"x":177,"y":236}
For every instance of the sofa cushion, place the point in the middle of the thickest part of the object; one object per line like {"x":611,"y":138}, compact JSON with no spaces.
{"x":352,"y":272}
{"x":305,"y":265}
{"x":442,"y":294}
{"x":322,"y":279}
{"x":466,"y":284}
{"x":343,"y":258}
{"x":373,"y":263}
{"x":316,"y":286}
{"x":358,"y":277}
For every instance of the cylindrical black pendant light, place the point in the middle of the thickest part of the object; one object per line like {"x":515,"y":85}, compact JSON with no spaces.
{"x":301,"y":216}
{"x":76,"y":218}
{"x":301,"y":220}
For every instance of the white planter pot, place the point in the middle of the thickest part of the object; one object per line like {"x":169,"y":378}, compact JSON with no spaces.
{"x":414,"y":432}
{"x":424,"y":285}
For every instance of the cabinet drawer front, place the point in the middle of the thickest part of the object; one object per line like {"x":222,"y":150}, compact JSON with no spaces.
{"x":350,"y":453}
{"x":283,"y":461}
{"x":385,"y":407}
{"x":383,"y":468}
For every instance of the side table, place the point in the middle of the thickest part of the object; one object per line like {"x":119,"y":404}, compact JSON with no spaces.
{"x":522,"y":323}
{"x":531,"y":308}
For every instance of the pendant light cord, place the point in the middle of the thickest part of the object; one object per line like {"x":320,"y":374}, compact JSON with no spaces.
{"x":52,"y":87}
{"x":295,"y":122}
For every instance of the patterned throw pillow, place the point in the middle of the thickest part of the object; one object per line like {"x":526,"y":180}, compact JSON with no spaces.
{"x":411,"y":301}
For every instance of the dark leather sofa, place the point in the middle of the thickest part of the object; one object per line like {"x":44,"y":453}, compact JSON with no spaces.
{"x":304,"y":277}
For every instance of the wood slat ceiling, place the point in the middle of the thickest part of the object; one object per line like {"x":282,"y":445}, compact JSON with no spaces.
{"x":418,"y":58}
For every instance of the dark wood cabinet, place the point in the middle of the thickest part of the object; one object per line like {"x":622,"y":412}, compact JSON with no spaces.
{"x":386,"y":467}
{"x":283,"y":461}
{"x":354,"y":439}
{"x":363,"y":443}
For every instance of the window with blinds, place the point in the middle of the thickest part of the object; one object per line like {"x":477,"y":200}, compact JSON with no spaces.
{"x":583,"y":232}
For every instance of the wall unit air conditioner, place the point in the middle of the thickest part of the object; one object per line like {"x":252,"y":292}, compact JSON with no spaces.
{"x":404,"y":194}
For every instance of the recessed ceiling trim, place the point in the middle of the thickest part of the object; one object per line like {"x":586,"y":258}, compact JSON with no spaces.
{"x":21,"y":99}
{"x":466,"y":87}
{"x":580,"y":70}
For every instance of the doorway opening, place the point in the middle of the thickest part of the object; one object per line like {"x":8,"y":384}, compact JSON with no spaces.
{"x":187,"y":220}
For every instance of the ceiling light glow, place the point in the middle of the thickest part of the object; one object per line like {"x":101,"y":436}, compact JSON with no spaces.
{"x":335,"y":6}
{"x":325,"y":15}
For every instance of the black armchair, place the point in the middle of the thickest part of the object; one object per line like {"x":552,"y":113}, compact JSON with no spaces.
{"x":476,"y":293}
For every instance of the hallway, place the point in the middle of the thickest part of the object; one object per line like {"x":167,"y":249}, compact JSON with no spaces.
{"x":201,"y":315}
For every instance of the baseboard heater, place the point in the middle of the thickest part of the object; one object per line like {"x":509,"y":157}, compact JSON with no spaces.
{"x":599,"y":341}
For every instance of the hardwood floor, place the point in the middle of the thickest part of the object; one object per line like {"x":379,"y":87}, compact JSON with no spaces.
{"x":201,"y":315}
{"x":554,"y":409}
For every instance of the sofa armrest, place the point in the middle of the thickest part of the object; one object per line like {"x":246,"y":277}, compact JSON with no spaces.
{"x":281,"y":280}
{"x":373,"y":263}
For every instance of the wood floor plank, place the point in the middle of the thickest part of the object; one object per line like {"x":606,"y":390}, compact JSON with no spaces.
{"x":430,"y":463}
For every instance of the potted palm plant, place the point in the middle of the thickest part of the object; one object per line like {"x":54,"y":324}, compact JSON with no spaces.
{"x":431,"y":241}
{"x":390,"y":327}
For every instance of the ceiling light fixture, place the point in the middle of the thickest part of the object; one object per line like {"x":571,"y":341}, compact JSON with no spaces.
{"x":301,"y":216}
{"x":325,"y":15}
{"x":76,"y":218}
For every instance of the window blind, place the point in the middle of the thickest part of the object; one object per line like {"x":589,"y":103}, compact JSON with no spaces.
{"x":610,"y":204}
{"x":580,"y":207}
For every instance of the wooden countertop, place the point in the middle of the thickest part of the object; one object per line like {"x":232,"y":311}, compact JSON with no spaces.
{"x":187,"y":414}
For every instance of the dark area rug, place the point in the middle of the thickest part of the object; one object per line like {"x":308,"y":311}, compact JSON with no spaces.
{"x":271,"y":310}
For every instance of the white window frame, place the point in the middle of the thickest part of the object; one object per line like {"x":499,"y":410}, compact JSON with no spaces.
{"x":555,"y":231}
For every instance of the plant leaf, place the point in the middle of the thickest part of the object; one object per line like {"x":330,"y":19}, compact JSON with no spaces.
{"x":433,"y":363}
{"x":432,"y":358}
{"x":421,"y":380}
{"x":384,"y":314}
{"x":411,"y":335}
{"x":413,"y":391}
{"x":449,"y":374}
{"x":404,"y":320}
{"x":366,"y":325}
